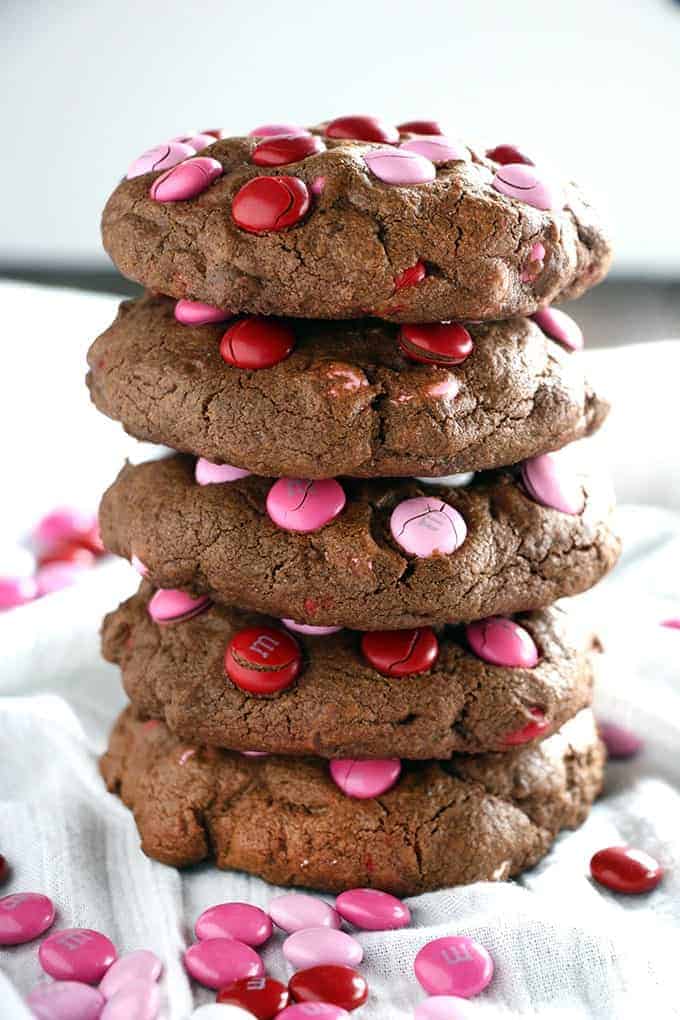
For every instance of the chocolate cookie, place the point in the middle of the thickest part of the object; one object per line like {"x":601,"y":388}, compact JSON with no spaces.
{"x":333,"y":226}
{"x":475,"y":818}
{"x":370,"y":555}
{"x":347,"y":401}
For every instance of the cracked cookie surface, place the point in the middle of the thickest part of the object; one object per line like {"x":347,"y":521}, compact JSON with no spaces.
{"x":218,"y":539}
{"x":353,"y":244}
{"x":346,"y":401}
{"x":475,"y":818}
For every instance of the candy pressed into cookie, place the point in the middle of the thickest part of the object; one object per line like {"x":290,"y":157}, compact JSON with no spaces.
{"x":370,"y":555}
{"x":300,"y":821}
{"x":351,"y":221}
{"x":362,"y":398}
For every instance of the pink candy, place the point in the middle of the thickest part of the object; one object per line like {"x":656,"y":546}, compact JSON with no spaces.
{"x":17,"y":591}
{"x":169,"y":605}
{"x":197,"y":141}
{"x":186,"y":180}
{"x":454,"y":965}
{"x":549,"y":483}
{"x":517,"y":180}
{"x":308,"y":628}
{"x":207,"y":473}
{"x":443,"y":1007}
{"x":140,"y":965}
{"x":65,"y":524}
{"x":311,"y":1011}
{"x":140,"y":567}
{"x":161,"y":157}
{"x":399,"y":166}
{"x":426,"y":525}
{"x":268,"y":130}
{"x":365,"y":778}
{"x":436,"y":148}
{"x":296,"y":504}
{"x":619,"y":741}
{"x":137,"y":1000}
{"x":66,"y":1000}
{"x":240,"y":921}
{"x":502,"y":642}
{"x":23,"y":917}
{"x":560,"y":327}
{"x":77,"y":954}
{"x":296,"y":911}
{"x":218,"y":962}
{"x":196,"y":313}
{"x":56,"y":576}
{"x":314,"y":946}
{"x":372,"y":909}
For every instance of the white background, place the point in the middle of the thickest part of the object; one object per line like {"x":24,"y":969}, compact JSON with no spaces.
{"x":87,"y":86}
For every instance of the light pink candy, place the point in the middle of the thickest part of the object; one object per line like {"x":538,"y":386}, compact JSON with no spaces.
{"x":16,"y":591}
{"x":398,"y":166}
{"x":502,"y":642}
{"x":207,"y":473}
{"x":197,"y":141}
{"x":549,"y":483}
{"x":533,"y":264}
{"x":619,"y":741}
{"x":296,"y":911}
{"x":454,"y":965}
{"x":137,"y":1000}
{"x":308,"y":628}
{"x":218,"y":962}
{"x":186,"y":180}
{"x":318,"y":185}
{"x":66,"y":1000}
{"x":436,"y":148}
{"x":242,"y":921}
{"x":65,"y":524}
{"x":313,"y":1010}
{"x":140,"y":567}
{"x":56,"y":576}
{"x":443,"y":1007}
{"x":23,"y":917}
{"x":169,"y":604}
{"x":365,"y":778}
{"x":140,"y":965}
{"x":315,"y":946}
{"x":161,"y":157}
{"x":269,"y":130}
{"x":426,"y":525}
{"x":560,"y":327}
{"x":77,"y":954}
{"x":372,"y":909}
{"x":197,"y":313}
{"x":297,"y":504}
{"x":517,"y":180}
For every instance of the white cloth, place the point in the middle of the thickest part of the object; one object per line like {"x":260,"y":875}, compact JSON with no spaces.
{"x":563,"y":948}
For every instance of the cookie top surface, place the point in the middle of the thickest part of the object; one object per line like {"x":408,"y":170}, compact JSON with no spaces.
{"x":342,"y":228}
{"x":346,"y":401}
{"x":475,"y":818}
{"x":369,"y":555}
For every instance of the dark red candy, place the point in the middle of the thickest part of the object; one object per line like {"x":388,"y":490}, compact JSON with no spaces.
{"x":270,"y":203}
{"x":411,"y":276}
{"x":538,"y":725}
{"x":261,"y":996}
{"x":436,"y":343}
{"x":262,"y":660}
{"x":401,"y":652}
{"x":421,"y":127}
{"x":4,"y":869}
{"x":626,"y":870}
{"x":329,"y":982}
{"x":282,"y":149}
{"x":505,"y":154}
{"x":362,"y":129}
{"x":257,"y":342}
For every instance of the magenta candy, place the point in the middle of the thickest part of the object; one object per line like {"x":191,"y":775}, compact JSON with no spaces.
{"x":197,"y":313}
{"x":619,"y":741}
{"x":186,"y":180}
{"x":502,"y":642}
{"x":673,"y":623}
{"x":436,"y":148}
{"x":443,"y":1007}
{"x":140,"y":965}
{"x":207,"y":473}
{"x":372,"y":909}
{"x":56,"y":576}
{"x":314,"y":946}
{"x":267,"y":130}
{"x":308,"y":628}
{"x":312,"y":1011}
{"x":399,"y":166}
{"x":295,"y":911}
{"x":218,"y":962}
{"x":365,"y":778}
{"x":550,"y":483}
{"x":23,"y":917}
{"x":560,"y":327}
{"x":169,"y":605}
{"x":66,"y":1000}
{"x":139,"y":999}
{"x":517,"y":180}
{"x":297,"y":504}
{"x":77,"y":954}
{"x":17,"y":591}
{"x":241,"y":921}
{"x":454,"y":965}
{"x":426,"y":525}
{"x":161,"y":157}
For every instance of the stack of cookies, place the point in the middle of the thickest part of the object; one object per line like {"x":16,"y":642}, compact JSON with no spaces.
{"x":344,"y":663}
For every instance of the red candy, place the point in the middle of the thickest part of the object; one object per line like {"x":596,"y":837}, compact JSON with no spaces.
{"x":421,"y":127}
{"x":257,"y":342}
{"x":533,"y":729}
{"x":362,"y":129}
{"x":279,"y":151}
{"x":401,"y":652}
{"x":270,"y":203}
{"x":329,"y":982}
{"x":439,"y":343}
{"x":262,"y":660}
{"x":411,"y":276}
{"x":262,"y":996}
{"x":505,"y":154}
{"x":626,"y":870}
